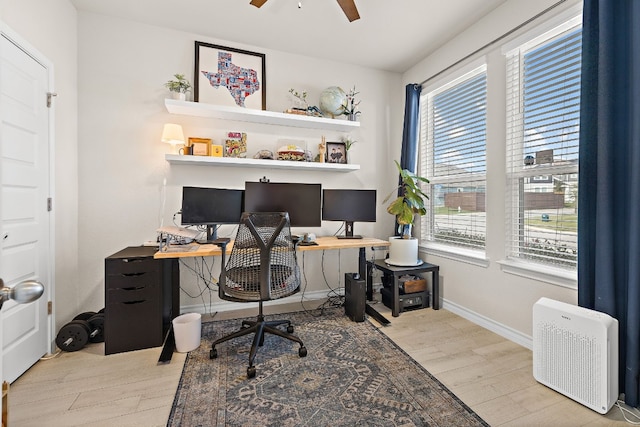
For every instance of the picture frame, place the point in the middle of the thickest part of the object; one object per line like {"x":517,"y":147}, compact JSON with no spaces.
{"x":199,"y":146}
{"x":235,"y":145}
{"x":230,"y":77}
{"x":336,"y":152}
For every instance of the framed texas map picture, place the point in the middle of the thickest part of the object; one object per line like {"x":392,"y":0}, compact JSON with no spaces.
{"x":230,"y":77}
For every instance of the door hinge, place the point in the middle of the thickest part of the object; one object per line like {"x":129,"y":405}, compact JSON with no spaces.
{"x":49,"y":204}
{"x":50,"y":95}
{"x":49,"y":307}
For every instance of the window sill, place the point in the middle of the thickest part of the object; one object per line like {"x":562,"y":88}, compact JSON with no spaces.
{"x":468,"y":256}
{"x":543,"y":273}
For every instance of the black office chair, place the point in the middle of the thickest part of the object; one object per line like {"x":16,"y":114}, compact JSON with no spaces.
{"x":262,"y":266}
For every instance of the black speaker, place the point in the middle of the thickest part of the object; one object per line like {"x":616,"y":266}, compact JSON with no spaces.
{"x":354,"y":296}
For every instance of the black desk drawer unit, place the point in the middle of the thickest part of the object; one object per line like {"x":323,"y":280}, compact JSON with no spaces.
{"x":134,"y":300}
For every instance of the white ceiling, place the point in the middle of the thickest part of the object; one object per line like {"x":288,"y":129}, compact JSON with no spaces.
{"x":390,"y":35}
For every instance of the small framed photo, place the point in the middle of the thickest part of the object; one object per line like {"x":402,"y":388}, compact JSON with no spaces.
{"x":336,"y":152}
{"x":230,"y":77}
{"x":199,"y":146}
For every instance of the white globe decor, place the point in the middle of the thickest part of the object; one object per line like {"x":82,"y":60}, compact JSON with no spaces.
{"x":332,"y":101}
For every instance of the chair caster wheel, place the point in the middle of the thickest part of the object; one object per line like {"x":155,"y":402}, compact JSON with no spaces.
{"x":213,"y":353}
{"x":251,"y":372}
{"x":302,"y":351}
{"x":290,"y":329}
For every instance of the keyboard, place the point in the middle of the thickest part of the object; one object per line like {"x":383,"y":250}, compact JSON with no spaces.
{"x":179,"y":248}
{"x":185,"y":233}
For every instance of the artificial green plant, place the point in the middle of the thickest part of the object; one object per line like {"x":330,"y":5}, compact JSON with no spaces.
{"x":409,"y":203}
{"x":180,"y":84}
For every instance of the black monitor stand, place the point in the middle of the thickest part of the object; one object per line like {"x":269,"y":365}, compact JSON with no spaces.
{"x":348,"y":231}
{"x":212,"y":233}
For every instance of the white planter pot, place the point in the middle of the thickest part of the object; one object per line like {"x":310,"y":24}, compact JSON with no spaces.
{"x":403,"y":252}
{"x":179,"y":96}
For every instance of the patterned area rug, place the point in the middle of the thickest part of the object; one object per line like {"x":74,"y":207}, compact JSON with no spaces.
{"x":353,"y":376}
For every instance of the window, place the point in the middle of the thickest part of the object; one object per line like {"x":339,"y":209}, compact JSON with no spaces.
{"x":543,"y":114}
{"x":453,"y":157}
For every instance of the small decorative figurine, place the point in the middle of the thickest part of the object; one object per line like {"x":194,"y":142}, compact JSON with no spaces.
{"x":322,"y":148}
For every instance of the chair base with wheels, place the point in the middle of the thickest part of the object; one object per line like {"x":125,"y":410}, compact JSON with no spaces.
{"x":259,"y":327}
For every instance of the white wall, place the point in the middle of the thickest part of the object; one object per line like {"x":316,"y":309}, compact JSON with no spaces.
{"x":122,"y":68}
{"x":50,"y":27}
{"x":108,"y":181}
{"x":488,"y":295}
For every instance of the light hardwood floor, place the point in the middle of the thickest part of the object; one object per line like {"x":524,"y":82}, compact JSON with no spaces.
{"x":489,"y":373}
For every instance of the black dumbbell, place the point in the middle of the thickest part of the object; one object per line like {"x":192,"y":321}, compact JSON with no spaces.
{"x":73,"y":336}
{"x":96,"y":324}
{"x":84,"y":316}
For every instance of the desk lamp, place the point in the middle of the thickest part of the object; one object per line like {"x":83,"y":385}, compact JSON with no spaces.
{"x":172,"y":134}
{"x":22,"y":293}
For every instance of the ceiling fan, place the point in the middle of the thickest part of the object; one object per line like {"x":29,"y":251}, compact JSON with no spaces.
{"x":348,"y":7}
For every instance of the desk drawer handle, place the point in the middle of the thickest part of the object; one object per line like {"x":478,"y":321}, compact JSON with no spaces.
{"x":133,"y":274}
{"x":134,"y":302}
{"x":133,"y":288}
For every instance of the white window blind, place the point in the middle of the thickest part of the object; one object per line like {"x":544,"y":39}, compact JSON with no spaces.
{"x":453,"y":157}
{"x":543,"y":114}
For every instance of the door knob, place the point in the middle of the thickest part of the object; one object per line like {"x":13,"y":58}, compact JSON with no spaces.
{"x":22,"y":293}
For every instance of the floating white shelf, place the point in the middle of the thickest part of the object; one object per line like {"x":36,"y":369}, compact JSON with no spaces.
{"x":258,"y":116}
{"x":259,"y":163}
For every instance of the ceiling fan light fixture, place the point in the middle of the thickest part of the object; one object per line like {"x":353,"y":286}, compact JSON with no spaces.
{"x":348,"y":7}
{"x":258,"y":3}
{"x":350,"y":10}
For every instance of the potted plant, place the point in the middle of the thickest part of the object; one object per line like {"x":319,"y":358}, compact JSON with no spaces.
{"x":348,"y":142}
{"x":350,"y":106}
{"x":179,"y":87}
{"x":405,"y":207}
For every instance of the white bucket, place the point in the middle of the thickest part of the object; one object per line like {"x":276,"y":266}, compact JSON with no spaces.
{"x":187,"y":329}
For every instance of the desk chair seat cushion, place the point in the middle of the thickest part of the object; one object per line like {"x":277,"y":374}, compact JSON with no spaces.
{"x":244,"y":282}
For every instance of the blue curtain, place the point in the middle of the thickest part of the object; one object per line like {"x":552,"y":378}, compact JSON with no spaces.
{"x":410,"y":133}
{"x":609,"y":177}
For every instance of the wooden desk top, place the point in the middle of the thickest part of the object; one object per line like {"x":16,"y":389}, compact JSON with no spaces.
{"x":325,"y":242}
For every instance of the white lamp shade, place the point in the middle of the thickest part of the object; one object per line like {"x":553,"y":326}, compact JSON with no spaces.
{"x":172,"y":134}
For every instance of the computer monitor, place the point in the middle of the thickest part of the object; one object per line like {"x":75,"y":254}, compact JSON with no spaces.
{"x":302,"y":201}
{"x":211,"y":207}
{"x":349,"y":206}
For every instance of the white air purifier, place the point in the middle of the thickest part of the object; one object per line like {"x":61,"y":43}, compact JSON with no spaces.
{"x":575,"y":352}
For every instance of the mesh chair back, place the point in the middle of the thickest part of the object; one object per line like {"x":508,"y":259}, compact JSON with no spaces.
{"x":263,"y":264}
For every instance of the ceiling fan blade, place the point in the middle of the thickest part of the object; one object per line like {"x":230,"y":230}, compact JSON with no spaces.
{"x":349,"y":9}
{"x":258,"y":3}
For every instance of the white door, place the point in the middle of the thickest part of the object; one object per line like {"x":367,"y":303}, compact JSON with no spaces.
{"x":25,"y":252}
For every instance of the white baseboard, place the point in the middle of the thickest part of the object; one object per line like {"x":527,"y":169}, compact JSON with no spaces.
{"x":222,"y":306}
{"x":480,"y":320}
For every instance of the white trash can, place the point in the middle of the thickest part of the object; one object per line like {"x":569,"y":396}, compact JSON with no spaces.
{"x":187,"y":329}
